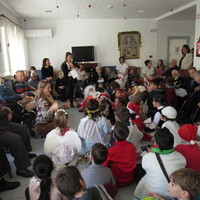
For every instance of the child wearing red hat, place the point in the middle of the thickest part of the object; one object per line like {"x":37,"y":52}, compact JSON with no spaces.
{"x":188,"y":148}
{"x":135,"y":116}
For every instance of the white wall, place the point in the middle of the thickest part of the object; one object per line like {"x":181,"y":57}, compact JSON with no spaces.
{"x":172,"y":28}
{"x":197,"y":34}
{"x":102,"y":33}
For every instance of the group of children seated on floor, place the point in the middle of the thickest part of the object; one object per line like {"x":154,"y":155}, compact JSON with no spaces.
{"x":117,"y":167}
{"x":115,"y":163}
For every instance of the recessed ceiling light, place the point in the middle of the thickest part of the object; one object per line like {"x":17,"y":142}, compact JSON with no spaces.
{"x":48,"y":11}
{"x":141,"y":11}
{"x":110,"y":6}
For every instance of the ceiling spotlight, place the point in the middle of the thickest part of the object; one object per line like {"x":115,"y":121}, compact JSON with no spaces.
{"x":141,"y":11}
{"x":110,"y":6}
{"x":48,"y":11}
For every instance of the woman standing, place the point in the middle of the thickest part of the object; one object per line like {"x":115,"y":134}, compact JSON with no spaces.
{"x":187,"y":58}
{"x":69,"y":79}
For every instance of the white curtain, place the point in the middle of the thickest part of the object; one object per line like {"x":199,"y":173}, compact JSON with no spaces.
{"x":12,"y":48}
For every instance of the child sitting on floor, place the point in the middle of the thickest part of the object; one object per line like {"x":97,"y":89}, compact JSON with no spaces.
{"x":135,"y":114}
{"x":188,"y":147}
{"x":42,"y":185}
{"x":184,"y":185}
{"x":62,"y":144}
{"x":114,"y":88}
{"x":122,"y":156}
{"x":60,"y":87}
{"x":135,"y":135}
{"x":155,"y":122}
{"x":97,"y":174}
{"x":168,"y":115}
{"x":71,"y":184}
{"x":93,"y":127}
{"x":155,"y":179}
{"x":170,"y":93}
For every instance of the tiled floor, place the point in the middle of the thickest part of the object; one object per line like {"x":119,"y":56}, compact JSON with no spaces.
{"x":125,"y":193}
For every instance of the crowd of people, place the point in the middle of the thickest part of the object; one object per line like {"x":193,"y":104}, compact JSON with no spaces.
{"x":161,"y":107}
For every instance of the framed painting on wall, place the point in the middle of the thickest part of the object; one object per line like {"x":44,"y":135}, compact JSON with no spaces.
{"x":129,"y":44}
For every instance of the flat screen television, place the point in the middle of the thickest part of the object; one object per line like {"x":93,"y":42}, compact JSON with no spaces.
{"x":83,"y":53}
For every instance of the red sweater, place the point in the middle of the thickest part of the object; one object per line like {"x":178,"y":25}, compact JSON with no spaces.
{"x":170,"y":96}
{"x":191,"y":154}
{"x":122,"y":162}
{"x":138,"y":122}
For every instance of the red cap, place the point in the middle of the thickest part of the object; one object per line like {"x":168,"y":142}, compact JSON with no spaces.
{"x":188,"y":132}
{"x":133,"y":108}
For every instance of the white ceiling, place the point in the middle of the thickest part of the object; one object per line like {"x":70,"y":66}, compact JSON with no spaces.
{"x":188,"y":14}
{"x":99,"y":8}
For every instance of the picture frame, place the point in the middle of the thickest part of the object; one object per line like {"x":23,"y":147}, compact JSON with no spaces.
{"x":129,"y":44}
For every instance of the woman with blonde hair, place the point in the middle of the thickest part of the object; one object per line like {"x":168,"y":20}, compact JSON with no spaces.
{"x":62,"y":144}
{"x":45,"y":106}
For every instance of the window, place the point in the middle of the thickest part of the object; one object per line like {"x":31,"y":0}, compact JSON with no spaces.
{"x":12,"y":48}
{"x":5,"y":68}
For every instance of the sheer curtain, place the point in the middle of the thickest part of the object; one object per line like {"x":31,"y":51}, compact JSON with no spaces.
{"x":12,"y":48}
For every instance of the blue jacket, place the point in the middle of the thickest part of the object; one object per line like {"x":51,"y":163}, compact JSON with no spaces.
{"x":8,"y":96}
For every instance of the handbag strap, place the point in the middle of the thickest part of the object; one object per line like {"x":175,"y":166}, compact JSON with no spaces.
{"x":162,"y":166}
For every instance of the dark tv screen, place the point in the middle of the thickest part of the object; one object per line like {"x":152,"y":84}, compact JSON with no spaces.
{"x":83,"y":53}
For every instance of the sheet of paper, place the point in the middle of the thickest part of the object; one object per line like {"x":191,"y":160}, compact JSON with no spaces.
{"x":74,"y":73}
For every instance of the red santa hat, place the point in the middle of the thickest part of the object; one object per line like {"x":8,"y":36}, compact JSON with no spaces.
{"x":188,"y":132}
{"x":105,"y":96}
{"x":133,"y":108}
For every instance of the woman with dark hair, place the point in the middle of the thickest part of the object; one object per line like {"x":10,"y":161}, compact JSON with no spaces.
{"x":159,"y":68}
{"x":47,"y":70}
{"x":42,"y":185}
{"x":69,"y":80}
{"x":148,"y":70}
{"x":187,"y":58}
{"x":122,"y":71}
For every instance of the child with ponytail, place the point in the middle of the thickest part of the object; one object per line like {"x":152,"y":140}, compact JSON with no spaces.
{"x":62,"y":144}
{"x":42,"y":186}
